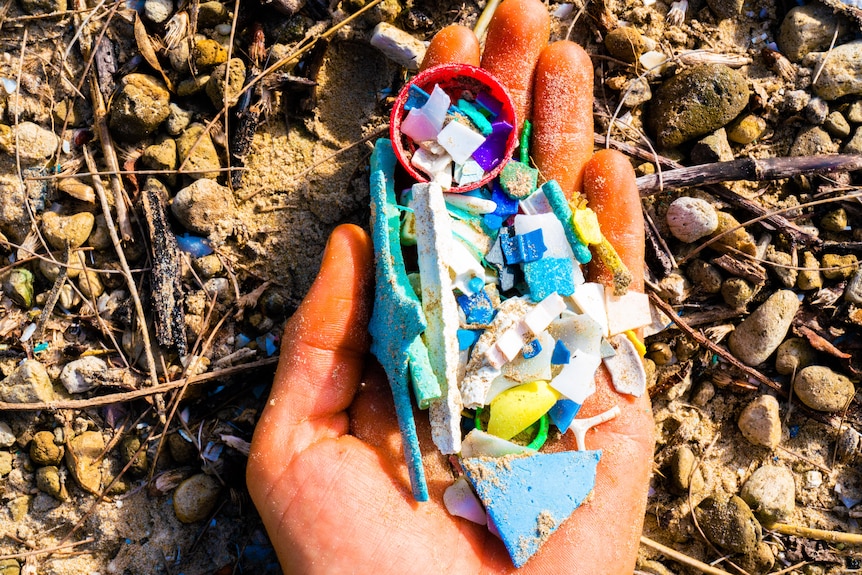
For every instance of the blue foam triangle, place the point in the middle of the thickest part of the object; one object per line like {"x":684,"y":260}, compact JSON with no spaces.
{"x":529,"y":497}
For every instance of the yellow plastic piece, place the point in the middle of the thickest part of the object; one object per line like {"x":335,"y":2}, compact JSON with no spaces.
{"x":518,"y":408}
{"x":586,"y":226}
{"x":636,"y":342}
{"x":609,"y":257}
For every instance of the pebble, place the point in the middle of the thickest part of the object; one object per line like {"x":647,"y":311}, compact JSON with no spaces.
{"x":739,"y":239}
{"x":837,"y":126}
{"x":195,"y":498}
{"x":215,"y":88}
{"x":157,"y":11}
{"x":809,"y":29}
{"x":810,"y":278}
{"x":847,"y":448}
{"x":762,"y":332}
{"x":182,"y":451}
{"x":712,"y":148}
{"x":695,"y":102}
{"x":207,"y":266}
{"x":178,"y":120}
{"x":202,"y":159}
{"x":854,"y":112}
{"x":48,"y":481}
{"x":812,"y":141}
{"x":737,"y":292}
{"x":202,"y":205}
{"x":14,"y":219}
{"x":660,"y":353}
{"x":674,"y":288}
{"x":759,"y":561}
{"x":100,"y":237}
{"x":79,"y":375}
{"x":43,"y":450}
{"x":835,"y":220}
{"x":725,"y":9}
{"x":836,"y":267}
{"x":690,"y":219}
{"x":208,"y":54}
{"x":729,"y":523}
{"x":7,"y":436}
{"x":193,"y":85}
{"x":399,"y":46}
{"x":746,"y":129}
{"x":771,"y":493}
{"x":140,"y":105}
{"x":760,"y":422}
{"x":18,"y":285}
{"x":681,"y":465}
{"x":785,"y":274}
{"x":839,"y":73}
{"x":795,"y":101}
{"x":83,"y":457}
{"x":72,"y":230}
{"x":211,"y":14}
{"x":853,"y":291}
{"x":129,"y":452}
{"x":5,"y":465}
{"x":705,"y":276}
{"x":822,"y":389}
{"x":28,"y":383}
{"x":161,"y":155}
{"x":34,"y":143}
{"x":704,"y":394}
{"x":90,"y":284}
{"x":627,"y":44}
{"x":44,"y":6}
{"x":794,"y":354}
{"x":18,"y":507}
{"x":816,"y":111}
{"x":854,"y":146}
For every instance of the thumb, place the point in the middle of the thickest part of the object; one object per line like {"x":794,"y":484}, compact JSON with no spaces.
{"x":322,"y":353}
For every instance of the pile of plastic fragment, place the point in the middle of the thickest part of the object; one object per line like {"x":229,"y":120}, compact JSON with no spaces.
{"x":494,"y":329}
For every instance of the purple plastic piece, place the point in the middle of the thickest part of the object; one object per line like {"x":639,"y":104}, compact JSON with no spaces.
{"x":490,"y":103}
{"x":493,"y":149}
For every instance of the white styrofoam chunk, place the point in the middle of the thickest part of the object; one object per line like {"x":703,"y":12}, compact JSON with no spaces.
{"x":437,"y":106}
{"x":399,"y":46}
{"x":525,"y":370}
{"x":576,"y":380}
{"x":418,"y":127}
{"x":553,"y":233}
{"x":578,"y":331}
{"x":464,"y":266}
{"x":628,"y":311}
{"x":589,"y":298}
{"x":460,"y":141}
{"x":475,"y":384}
{"x":543,"y":313}
{"x":471,"y":232}
{"x":469,"y":172}
{"x":500,"y":384}
{"x":432,"y":146}
{"x":510,"y":344}
{"x":431,"y":163}
{"x":535,"y":203}
{"x":626,"y":368}
{"x":470,"y":204}
{"x":482,"y":444}
{"x":443,"y":178}
{"x":460,"y":501}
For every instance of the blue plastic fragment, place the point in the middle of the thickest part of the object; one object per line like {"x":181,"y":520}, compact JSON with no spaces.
{"x":416,"y":97}
{"x":523,"y":248}
{"x":531,"y":349}
{"x":563,"y":413}
{"x":242,"y":340}
{"x":477,"y":307}
{"x":506,"y":205}
{"x":267,"y":344}
{"x":195,"y":246}
{"x":549,"y":275}
{"x":557,"y":199}
{"x":41,"y":346}
{"x":495,"y":257}
{"x":794,"y":431}
{"x":467,"y":337}
{"x":529,"y":498}
{"x":472,"y":112}
{"x":476,"y":284}
{"x":493,"y":150}
{"x":561,"y":354}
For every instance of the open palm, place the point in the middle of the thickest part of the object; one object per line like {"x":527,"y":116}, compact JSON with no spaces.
{"x":326,"y":469}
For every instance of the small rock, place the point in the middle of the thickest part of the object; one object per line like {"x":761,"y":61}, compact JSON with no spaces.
{"x":848,"y":448}
{"x":207,"y":266}
{"x":737,"y":292}
{"x":161,"y":156}
{"x":14,"y":218}
{"x":712,"y":148}
{"x":193,"y":85}
{"x":809,"y":278}
{"x":83,"y":457}
{"x":816,"y":111}
{"x":627,"y":44}
{"x":208,"y":54}
{"x":854,"y":146}
{"x":211,"y":14}
{"x":771,"y":493}
{"x":195,"y":498}
{"x":704,"y":394}
{"x":645,"y":566}
{"x":157,"y":11}
{"x":44,"y":6}
{"x":854,"y":112}
{"x":19,"y":507}
{"x":794,"y":354}
{"x":796,"y":100}
{"x":697,"y":101}
{"x":182,"y":451}
{"x":179,"y":58}
{"x":822,"y":389}
{"x":178,"y":119}
{"x":215,"y":88}
{"x":130,"y":451}
{"x":681,"y":466}
{"x":690,"y":219}
{"x":760,"y":422}
{"x":76,"y":113}
{"x":746,"y":129}
{"x":100,"y":237}
{"x":48,"y":481}
{"x":200,"y":160}
{"x":839,"y":73}
{"x":809,"y":28}
{"x":834,"y":221}
{"x":729,"y":523}
{"x":837,"y":125}
{"x":77,"y":189}
{"x":399,"y":46}
{"x":660,"y":353}
{"x":43,"y":450}
{"x":5,"y":466}
{"x":784,"y":271}
{"x":739,"y":239}
{"x":674,"y":288}
{"x":73,"y":230}
{"x":200,"y":206}
{"x":705,"y":276}
{"x":762,"y":332}
{"x":759,"y":561}
{"x":7,"y":436}
{"x":725,"y":9}
{"x":140,"y":105}
{"x":853,"y":291}
{"x":90,"y":284}
{"x":28,"y":383}
{"x":836,"y":267}
{"x":34,"y":143}
{"x":812,"y":141}
{"x":18,"y":285}
{"x":81,"y":374}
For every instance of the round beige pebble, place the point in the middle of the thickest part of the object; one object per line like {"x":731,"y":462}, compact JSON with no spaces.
{"x":822,"y":389}
{"x":61,"y":230}
{"x":195,"y":498}
{"x":760,"y":422}
{"x":690,"y":219}
{"x":762,"y":332}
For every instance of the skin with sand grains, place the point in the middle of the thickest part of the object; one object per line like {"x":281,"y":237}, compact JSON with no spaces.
{"x":326,"y":469}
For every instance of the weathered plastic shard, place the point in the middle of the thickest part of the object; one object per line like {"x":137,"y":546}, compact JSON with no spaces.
{"x":493,"y":150}
{"x":626,"y":368}
{"x":560,"y":206}
{"x":433,"y":241}
{"x":518,"y":408}
{"x":627,"y":312}
{"x":555,"y":239}
{"x":526,"y":369}
{"x":480,"y":443}
{"x":397,"y":319}
{"x":563,"y":413}
{"x":460,"y":501}
{"x":460,"y":141}
{"x":518,"y":180}
{"x":549,"y":275}
{"x":589,"y":298}
{"x":529,"y":497}
{"x":580,"y":427}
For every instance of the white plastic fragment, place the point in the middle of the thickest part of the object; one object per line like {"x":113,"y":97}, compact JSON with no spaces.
{"x":589,"y":299}
{"x":578,"y":332}
{"x":626,"y":368}
{"x":498,"y":386}
{"x":464,"y":266}
{"x":580,"y":426}
{"x":470,"y":204}
{"x":425,"y":123}
{"x":543,"y":313}
{"x":524,"y":370}
{"x":653,"y":61}
{"x":431,"y":163}
{"x":536,"y":203}
{"x":433,"y":239}
{"x":399,"y":46}
{"x":460,"y":501}
{"x":28,"y":333}
{"x":628,"y":311}
{"x":460,"y":141}
{"x":482,"y":444}
{"x":469,"y":172}
{"x":576,"y":380}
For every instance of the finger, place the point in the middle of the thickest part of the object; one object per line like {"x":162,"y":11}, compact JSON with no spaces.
{"x":453,"y":44}
{"x":563,"y":114}
{"x":517,"y":34}
{"x":322,"y":353}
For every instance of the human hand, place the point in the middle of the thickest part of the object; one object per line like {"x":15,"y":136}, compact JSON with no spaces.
{"x":326,"y":469}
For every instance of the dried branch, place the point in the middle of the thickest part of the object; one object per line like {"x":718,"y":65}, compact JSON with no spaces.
{"x":682,"y":557}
